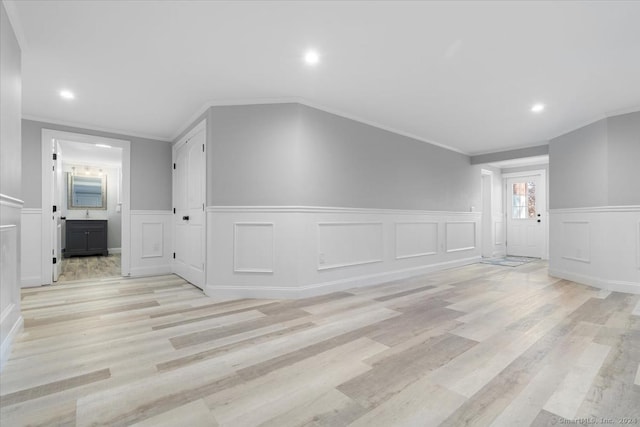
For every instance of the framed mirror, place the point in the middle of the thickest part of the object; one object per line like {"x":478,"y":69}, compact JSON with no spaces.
{"x":87,"y":192}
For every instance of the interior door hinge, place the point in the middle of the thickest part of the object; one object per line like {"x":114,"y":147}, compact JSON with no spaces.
{"x":203,"y":207}
{"x":55,"y":208}
{"x":174,"y":255}
{"x":55,"y":156}
{"x":174,"y":165}
{"x":203,"y":148}
{"x":55,"y":260}
{"x":174,"y":210}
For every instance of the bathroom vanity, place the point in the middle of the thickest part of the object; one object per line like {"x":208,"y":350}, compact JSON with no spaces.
{"x":86,"y":237}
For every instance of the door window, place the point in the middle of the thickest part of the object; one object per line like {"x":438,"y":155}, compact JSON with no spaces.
{"x":523,"y":200}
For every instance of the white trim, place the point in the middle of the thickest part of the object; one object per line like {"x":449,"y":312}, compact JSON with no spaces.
{"x":47,"y":136}
{"x":307,"y":103}
{"x":325,"y":209}
{"x":597,"y":282}
{"x":16,"y":23}
{"x":114,"y":250}
{"x":597,"y":209}
{"x":7,"y":344}
{"x":235,"y":248}
{"x":10,"y":201}
{"x":295,"y":292}
{"x":117,"y":133}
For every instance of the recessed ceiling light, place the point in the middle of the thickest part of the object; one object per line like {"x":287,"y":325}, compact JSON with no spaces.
{"x":67,"y":94}
{"x":311,"y":57}
{"x":537,"y":108}
{"x":103,"y":145}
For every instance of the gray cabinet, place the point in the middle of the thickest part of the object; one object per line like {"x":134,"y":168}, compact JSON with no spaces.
{"x":86,"y":237}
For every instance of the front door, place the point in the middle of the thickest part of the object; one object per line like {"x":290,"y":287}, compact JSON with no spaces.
{"x":526,"y":207}
{"x":189,"y":217}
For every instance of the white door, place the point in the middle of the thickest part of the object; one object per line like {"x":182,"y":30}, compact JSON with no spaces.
{"x":189,"y":218}
{"x":56,"y":226}
{"x":526,"y":207}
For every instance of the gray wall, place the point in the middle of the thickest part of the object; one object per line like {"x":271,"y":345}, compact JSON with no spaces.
{"x":10,"y":109}
{"x":624,"y":159}
{"x":578,"y":168}
{"x":294,"y":155}
{"x":150,"y":166}
{"x":254,"y":157}
{"x":597,"y":165}
{"x":348,"y":163}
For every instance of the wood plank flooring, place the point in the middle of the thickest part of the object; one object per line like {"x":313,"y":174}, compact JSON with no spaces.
{"x":481,"y":345}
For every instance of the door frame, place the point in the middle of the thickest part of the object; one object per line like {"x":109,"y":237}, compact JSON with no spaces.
{"x":47,"y":196}
{"x":487,"y":223}
{"x":200,"y":126}
{"x":545,"y":233}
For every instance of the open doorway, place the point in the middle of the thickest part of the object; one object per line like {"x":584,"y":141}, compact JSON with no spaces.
{"x":86,"y":182}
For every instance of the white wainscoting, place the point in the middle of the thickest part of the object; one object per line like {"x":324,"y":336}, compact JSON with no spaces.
{"x":460,"y":236}
{"x":10,"y":317}
{"x":296,"y":252}
{"x":30,"y":244}
{"x":151,"y":242}
{"x":253,"y":247}
{"x":345,"y":244}
{"x":597,"y":246}
{"x":416,"y":239}
{"x":576,"y":243}
{"x":499,"y":248}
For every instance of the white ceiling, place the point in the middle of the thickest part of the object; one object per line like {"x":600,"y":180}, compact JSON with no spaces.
{"x":459,"y":74}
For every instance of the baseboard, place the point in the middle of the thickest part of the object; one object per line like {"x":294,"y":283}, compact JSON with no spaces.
{"x":597,"y":282}
{"x":297,"y":292}
{"x":156,"y":270}
{"x":115,"y":250}
{"x":7,"y":344}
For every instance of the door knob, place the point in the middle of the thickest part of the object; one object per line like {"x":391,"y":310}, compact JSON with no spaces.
{"x":185,"y":218}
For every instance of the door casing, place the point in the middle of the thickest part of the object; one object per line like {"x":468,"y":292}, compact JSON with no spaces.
{"x":47,"y":196}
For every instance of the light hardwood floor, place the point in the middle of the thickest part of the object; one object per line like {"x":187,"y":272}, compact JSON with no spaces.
{"x":478,"y":345}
